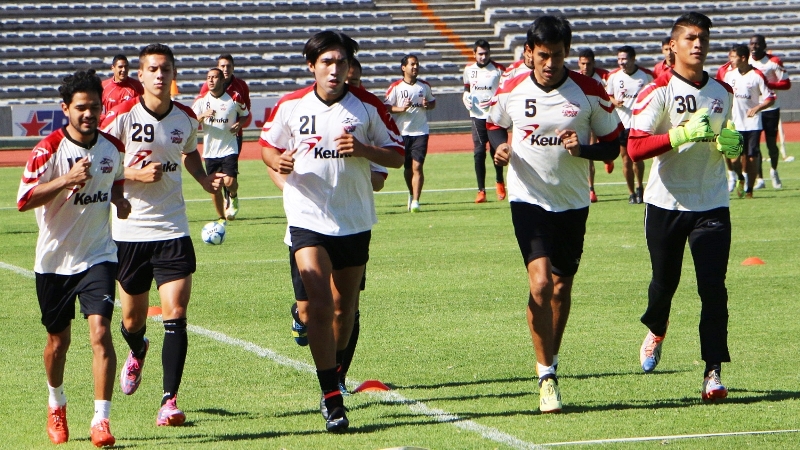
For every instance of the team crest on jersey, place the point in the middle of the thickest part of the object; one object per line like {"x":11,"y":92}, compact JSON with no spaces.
{"x":349,"y":124}
{"x":106,"y":165}
{"x":177,"y":136}
{"x":716,"y":106}
{"x":570,"y":110}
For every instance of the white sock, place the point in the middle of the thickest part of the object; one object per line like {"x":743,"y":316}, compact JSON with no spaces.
{"x":745,"y":180}
{"x":543,"y":370}
{"x":732,"y":175}
{"x":555,"y":360}
{"x":57,"y":396}
{"x":102,"y":410}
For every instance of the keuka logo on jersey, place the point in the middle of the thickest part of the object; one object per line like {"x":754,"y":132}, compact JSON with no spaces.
{"x":86,"y":199}
{"x":169,"y":167}
{"x":328,"y":154}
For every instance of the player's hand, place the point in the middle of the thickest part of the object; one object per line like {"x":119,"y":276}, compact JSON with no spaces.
{"x":123,"y":208}
{"x":78,"y":174}
{"x":502,"y":155}
{"x":347,"y":144}
{"x":467,"y":99}
{"x":696,"y":129}
{"x":569,"y":138}
{"x":406,"y":104}
{"x":212,"y":182}
{"x":205,"y":114}
{"x":730,"y":142}
{"x":150,"y":173}
{"x":752,"y":112}
{"x":236,"y":127}
{"x":424,"y":102}
{"x":286,"y":162}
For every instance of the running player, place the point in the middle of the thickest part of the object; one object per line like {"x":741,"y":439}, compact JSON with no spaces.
{"x":586,"y":67}
{"x":665,"y":65}
{"x":481,"y":80}
{"x":154,"y":243}
{"x":777,"y":80}
{"x":322,"y":136}
{"x":120,"y":87}
{"x":71,"y":179}
{"x":409,"y":100}
{"x":751,"y":96}
{"x":680,"y":122}
{"x":623,"y":85}
{"x":221,"y":112}
{"x":553,"y":112}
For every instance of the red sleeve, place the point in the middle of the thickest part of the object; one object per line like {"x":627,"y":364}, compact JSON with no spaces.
{"x":781,"y":85}
{"x":643,"y":146}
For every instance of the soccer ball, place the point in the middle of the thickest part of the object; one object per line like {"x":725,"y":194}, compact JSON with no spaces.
{"x":213,"y":233}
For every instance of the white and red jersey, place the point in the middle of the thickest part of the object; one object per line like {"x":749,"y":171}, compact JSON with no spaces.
{"x":235,"y":86}
{"x":601,"y":76}
{"x":541,"y":171}
{"x":777,"y":77}
{"x":482,"y":83}
{"x":218,"y":141}
{"x":516,"y":68}
{"x":626,"y":87}
{"x":115,"y":92}
{"x":327,"y":192}
{"x":749,"y":90}
{"x":414,"y":120}
{"x":158,"y":210}
{"x":74,"y":227}
{"x":691,"y":177}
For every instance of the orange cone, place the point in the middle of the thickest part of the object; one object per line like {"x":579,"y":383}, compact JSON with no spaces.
{"x":753,"y":261}
{"x":153,"y":311}
{"x":371,"y":385}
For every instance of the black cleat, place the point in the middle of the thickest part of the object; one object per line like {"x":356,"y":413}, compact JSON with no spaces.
{"x":337,"y":421}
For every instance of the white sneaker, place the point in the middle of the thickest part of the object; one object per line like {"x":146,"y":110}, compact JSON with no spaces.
{"x":414,"y":206}
{"x":776,"y":180}
{"x":759,"y":183}
{"x":732,"y":180}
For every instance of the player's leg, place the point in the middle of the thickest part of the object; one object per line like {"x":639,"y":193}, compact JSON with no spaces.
{"x":500,"y":185}
{"x":134,"y":276}
{"x":418,"y":150}
{"x":638,"y":170}
{"x":479,"y":140}
{"x":230,"y":167}
{"x":737,"y":166}
{"x":771,"y":121}
{"x":299,"y":309}
{"x":710,"y":243}
{"x":214,"y":165}
{"x":627,"y":165}
{"x":408,"y":173}
{"x":592,"y":194}
{"x":750,"y":157}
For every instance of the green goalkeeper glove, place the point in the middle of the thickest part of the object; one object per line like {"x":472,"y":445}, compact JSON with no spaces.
{"x":730,"y":142}
{"x":695,"y":130}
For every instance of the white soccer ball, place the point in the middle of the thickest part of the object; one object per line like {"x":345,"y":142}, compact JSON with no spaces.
{"x":213,"y":233}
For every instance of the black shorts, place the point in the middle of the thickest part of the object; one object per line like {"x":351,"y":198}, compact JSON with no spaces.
{"x":164,"y":261}
{"x":556,"y":235}
{"x":752,"y":143}
{"x":229,"y":165}
{"x":300,"y":293}
{"x":345,"y":251}
{"x":416,"y":148}
{"x":94,"y":288}
{"x":623,"y":137}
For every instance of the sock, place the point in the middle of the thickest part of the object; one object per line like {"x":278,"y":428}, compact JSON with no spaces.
{"x":135,"y":340}
{"x":710,"y":367}
{"x":350,"y":350}
{"x":57,"y":396}
{"x":102,"y":410}
{"x":732,"y":175}
{"x":173,"y":356}
{"x":543,"y":370}
{"x":555,"y":361}
{"x":329,"y":383}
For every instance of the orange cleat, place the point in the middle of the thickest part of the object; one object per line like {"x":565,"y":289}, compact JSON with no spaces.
{"x":501,"y":191}
{"x":609,"y":166}
{"x":592,"y":197}
{"x":481,"y":197}
{"x":101,"y":434}
{"x":57,"y":424}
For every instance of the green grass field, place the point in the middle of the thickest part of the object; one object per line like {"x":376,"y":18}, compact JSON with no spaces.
{"x":443,"y":323}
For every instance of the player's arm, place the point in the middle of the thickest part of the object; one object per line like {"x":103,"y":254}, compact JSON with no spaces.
{"x":277,"y":161}
{"x":44,"y":193}
{"x":387,"y":157}
{"x":119,"y":200}
{"x":194,"y":165}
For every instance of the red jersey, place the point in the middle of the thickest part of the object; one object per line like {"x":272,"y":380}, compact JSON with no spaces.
{"x":115,"y":93}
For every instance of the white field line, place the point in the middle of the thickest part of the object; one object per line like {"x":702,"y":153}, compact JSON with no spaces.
{"x":393,"y":397}
{"x":667,"y":438}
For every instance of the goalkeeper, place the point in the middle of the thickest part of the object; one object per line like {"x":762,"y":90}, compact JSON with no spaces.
{"x":682,"y":121}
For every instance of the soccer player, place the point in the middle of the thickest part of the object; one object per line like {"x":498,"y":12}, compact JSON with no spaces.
{"x":481,"y":80}
{"x":751,"y":96}
{"x":409,"y":100}
{"x":354,"y":74}
{"x":665,"y":65}
{"x":222,"y":114}
{"x":120,"y":87}
{"x":680,"y":122}
{"x":70,"y":181}
{"x":777,"y":80}
{"x":623,"y":85}
{"x":586,"y":67}
{"x":154,"y":243}
{"x":553,"y":112}
{"x":324,"y":137}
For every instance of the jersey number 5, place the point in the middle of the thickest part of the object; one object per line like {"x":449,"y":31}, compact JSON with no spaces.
{"x":530,"y":107}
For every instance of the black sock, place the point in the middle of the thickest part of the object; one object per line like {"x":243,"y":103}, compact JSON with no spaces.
{"x":350,"y":350}
{"x":329,"y":383}
{"x":712,"y":366}
{"x":135,"y":340}
{"x":173,"y":356}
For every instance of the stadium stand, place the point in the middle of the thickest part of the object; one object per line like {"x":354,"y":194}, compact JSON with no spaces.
{"x":43,"y":41}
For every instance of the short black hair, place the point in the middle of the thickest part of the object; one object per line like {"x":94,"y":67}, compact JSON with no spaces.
{"x":355,"y":64}
{"x":691,"y":19}
{"x":482,"y":43}
{"x":628,"y":50}
{"x":666,"y":40}
{"x":586,"y":53}
{"x":760,"y":37}
{"x":226,"y":57}
{"x":81,"y":81}
{"x":156,"y":49}
{"x":119,"y":57}
{"x":218,"y":70}
{"x":325,"y":40}
{"x":549,"y":30}
{"x":741,"y":50}
{"x":405,"y":59}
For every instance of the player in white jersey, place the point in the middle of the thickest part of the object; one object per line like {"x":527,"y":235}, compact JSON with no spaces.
{"x":70,"y":180}
{"x":222,"y":114}
{"x":623,"y":85}
{"x":750,"y":96}
{"x":777,"y":80}
{"x":409,"y":101}
{"x":586,"y":67}
{"x":680,"y":121}
{"x":481,"y":80}
{"x":553,"y":113}
{"x":154,"y":243}
{"x":324,"y":137}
